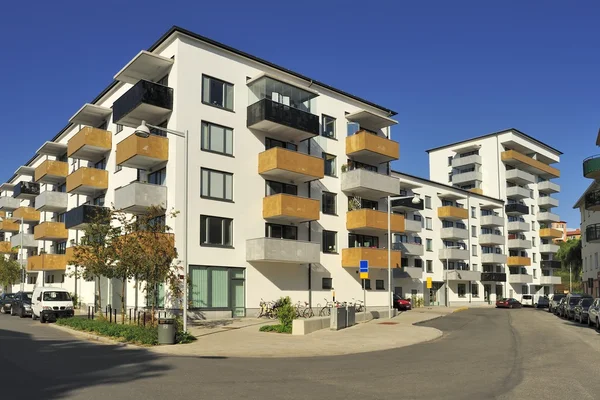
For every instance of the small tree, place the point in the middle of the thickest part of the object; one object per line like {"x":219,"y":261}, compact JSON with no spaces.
{"x":570,"y":255}
{"x":10,"y":272}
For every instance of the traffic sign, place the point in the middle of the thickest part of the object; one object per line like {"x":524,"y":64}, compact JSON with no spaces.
{"x":363,"y":266}
{"x":429,"y":283}
{"x":364,"y":275}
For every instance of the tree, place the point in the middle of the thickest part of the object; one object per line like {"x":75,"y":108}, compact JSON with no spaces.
{"x":10,"y":272}
{"x":569,"y":254}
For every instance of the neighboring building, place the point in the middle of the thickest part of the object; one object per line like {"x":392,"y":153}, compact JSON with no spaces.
{"x":574,"y":234}
{"x":561,"y":226}
{"x":514,"y":167}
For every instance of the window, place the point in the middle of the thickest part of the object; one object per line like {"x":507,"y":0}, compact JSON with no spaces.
{"x":533,"y":240}
{"x":328,"y":203}
{"x":50,"y":278}
{"x":329,"y":242}
{"x":216,"y":231}
{"x":450,"y":177}
{"x":159,"y":221}
{"x":327,"y":283}
{"x":535,"y":273}
{"x":217,"y":93}
{"x":379,"y":284}
{"x":62,"y":279}
{"x":60,"y":248}
{"x":59,"y":217}
{"x":272,"y":187}
{"x":596,"y":260}
{"x":357,"y":202}
{"x":155,"y":297}
{"x":352,"y":165}
{"x":473,"y":212}
{"x":450,"y":161}
{"x":366,"y":284}
{"x":355,"y":240}
{"x":532,"y":210}
{"x":61,"y":188}
{"x":428,"y":223}
{"x":429,"y":264}
{"x":119,"y":128}
{"x":217,"y":287}
{"x":329,"y":164}
{"x":473,"y":231}
{"x":328,"y":126}
{"x":531,"y":193}
{"x":217,"y":184}
{"x":473,"y":250}
{"x":428,"y":202}
{"x":462,"y":290}
{"x":281,"y":231}
{"x":270,"y":143}
{"x":118,"y":167}
{"x":217,"y":139}
{"x":475,"y":289}
{"x":429,"y":245}
{"x":32,"y":279}
{"x":99,"y":201}
{"x":158,"y":177}
{"x":100,"y":164}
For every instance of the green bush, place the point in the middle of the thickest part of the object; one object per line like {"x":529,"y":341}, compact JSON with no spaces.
{"x":126,"y":333}
{"x":276,"y":328}
{"x":286,"y":312}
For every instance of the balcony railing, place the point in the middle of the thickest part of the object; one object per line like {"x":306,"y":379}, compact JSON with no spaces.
{"x":513,"y":157}
{"x":452,"y":213}
{"x":369,"y":185}
{"x":517,"y":192}
{"x":591,"y":167}
{"x":371,"y":149}
{"x":592,"y":200}
{"x":146,"y":101}
{"x":87,"y":181}
{"x":378,"y":258}
{"x":47,"y":262}
{"x":142,"y":153}
{"x":288,"y":208}
{"x":282,"y":121}
{"x":90,"y":144}
{"x":375,"y":222}
{"x":52,"y":201}
{"x":79,"y":217}
{"x":554,"y":264}
{"x":516,"y":209}
{"x":518,"y":261}
{"x":492,"y":220}
{"x":53,"y":231}
{"x":26,"y":190}
{"x":138,"y":197}
{"x":52,"y":171}
{"x":283,"y":251}
{"x":283,"y":164}
{"x":493,"y":277}
{"x":548,"y":187}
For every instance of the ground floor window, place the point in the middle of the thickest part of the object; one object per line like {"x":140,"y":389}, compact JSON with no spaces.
{"x":220,"y":288}
{"x":462,"y":290}
{"x":379,"y":284}
{"x":524,"y":289}
{"x":156,"y":298}
{"x":475,"y":289}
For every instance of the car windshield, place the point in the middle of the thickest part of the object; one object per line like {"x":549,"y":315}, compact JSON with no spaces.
{"x":10,"y":295}
{"x":557,"y":297}
{"x":574,"y":300}
{"x":27,"y":296}
{"x":586,"y":302}
{"x":56,"y":296}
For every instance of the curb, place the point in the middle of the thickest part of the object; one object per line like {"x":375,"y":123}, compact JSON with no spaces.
{"x":92,"y":337}
{"x":460,"y":309}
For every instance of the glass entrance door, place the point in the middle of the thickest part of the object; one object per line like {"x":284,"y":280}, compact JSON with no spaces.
{"x":237,"y":298}
{"x":487,"y":290}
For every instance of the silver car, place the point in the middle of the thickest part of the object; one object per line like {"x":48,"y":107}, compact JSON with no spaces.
{"x":594,"y":314}
{"x":554,"y":300}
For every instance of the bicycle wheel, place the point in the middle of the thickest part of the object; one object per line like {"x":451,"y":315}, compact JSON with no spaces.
{"x":260,"y":313}
{"x":308,"y":313}
{"x":325,"y":312}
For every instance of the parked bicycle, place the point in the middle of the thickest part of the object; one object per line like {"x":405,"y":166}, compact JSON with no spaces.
{"x":359,"y":305}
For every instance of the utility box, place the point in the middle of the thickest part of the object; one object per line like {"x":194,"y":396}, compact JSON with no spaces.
{"x":350,"y":316}
{"x":338,"y":318}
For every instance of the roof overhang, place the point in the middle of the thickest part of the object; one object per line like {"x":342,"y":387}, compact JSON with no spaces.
{"x":593,"y":186}
{"x":276,"y":78}
{"x":7,"y":187}
{"x":465,"y":149}
{"x":409,"y":185}
{"x":370,"y":120}
{"x":145,"y":66}
{"x":91,"y":114}
{"x":25,"y":170}
{"x":451,"y":196}
{"x":52,"y":149}
{"x":512,"y":145}
{"x":490,"y":206}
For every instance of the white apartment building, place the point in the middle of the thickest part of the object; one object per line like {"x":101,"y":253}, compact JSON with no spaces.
{"x":516,"y":168}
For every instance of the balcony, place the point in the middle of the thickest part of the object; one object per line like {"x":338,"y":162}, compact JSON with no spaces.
{"x":52,"y":171}
{"x":551,"y":264}
{"x":28,"y":241}
{"x":369,"y":185}
{"x":26,"y":190}
{"x":493,"y":258}
{"x":476,"y":190}
{"x":281,"y":121}
{"x":547,"y":217}
{"x":377,"y":258}
{"x":517,"y":192}
{"x":467,"y":160}
{"x":28,"y":214}
{"x":519,"y":244}
{"x":514,"y":158}
{"x":547,"y":202}
{"x":407,"y":273}
{"x":518,"y":226}
{"x":465,"y":177}
{"x":142,"y":153}
{"x":520,"y":278}
{"x":406,"y":204}
{"x":518,"y":261}
{"x":9,"y":226}
{"x":453,"y":254}
{"x":592,"y":200}
{"x":491,"y":220}
{"x":549,"y":248}
{"x":87,"y":181}
{"x":52,"y":202}
{"x":90,"y":144}
{"x":287,"y":165}
{"x":519,"y":177}
{"x":454,"y":233}
{"x":412,"y":226}
{"x":9,"y":203}
{"x":550,"y":280}
{"x":548,"y":187}
{"x":137,"y":197}
{"x":453,"y":213}
{"x":491,"y":239}
{"x":282,"y":251}
{"x":410,"y":249}
{"x":493,"y":277}
{"x":516,"y":209}
{"x":290,"y":209}
{"x":371,"y":149}
{"x":592,"y":233}
{"x":460,"y":275}
{"x":6,"y":248}
{"x":80,"y":217}
{"x":591,"y":167}
{"x":550,"y":233}
{"x":47,"y":262}
{"x":53,"y":231}
{"x":372,"y":222}
{"x":144,"y":101}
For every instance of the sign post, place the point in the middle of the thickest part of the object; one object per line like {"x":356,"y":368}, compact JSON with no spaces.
{"x":364,"y":274}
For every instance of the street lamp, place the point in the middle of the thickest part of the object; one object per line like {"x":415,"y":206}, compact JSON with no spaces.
{"x":143,"y":131}
{"x":448,"y":269}
{"x":415,"y":200}
{"x":22,"y":285}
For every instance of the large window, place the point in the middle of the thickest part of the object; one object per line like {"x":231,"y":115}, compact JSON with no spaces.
{"x":328,"y":126}
{"x":328,"y":205}
{"x":272,"y":187}
{"x":475,"y":289}
{"x":217,"y":93}
{"x":462,"y":290}
{"x":270,"y":143}
{"x":158,"y":177}
{"x":216,"y":231}
{"x":329,"y":164}
{"x":156,"y":297}
{"x":60,"y":248}
{"x":429,"y":264}
{"x":428,"y":245}
{"x":281,"y":231}
{"x":428,"y":202}
{"x":329,"y":242}
{"x":217,"y":287}
{"x":428,"y":223}
{"x":362,"y":240}
{"x":217,"y":139}
{"x":217,"y":184}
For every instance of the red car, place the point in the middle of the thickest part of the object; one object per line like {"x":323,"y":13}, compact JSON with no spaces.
{"x":401,"y":304}
{"x":508,"y":303}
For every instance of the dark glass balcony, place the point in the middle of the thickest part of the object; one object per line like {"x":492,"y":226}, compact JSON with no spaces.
{"x":556,"y":264}
{"x":145,"y":101}
{"x":592,"y":233}
{"x":284,"y":122}
{"x":591,"y":167}
{"x":592,"y":201}
{"x":493,"y":277}
{"x":516,"y":209}
{"x":407,"y":204}
{"x":79,"y":217}
{"x":26,"y":190}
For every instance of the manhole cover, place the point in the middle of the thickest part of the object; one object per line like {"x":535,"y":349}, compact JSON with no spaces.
{"x":388,"y":323}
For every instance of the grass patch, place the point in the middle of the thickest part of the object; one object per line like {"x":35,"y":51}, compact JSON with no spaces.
{"x":276,"y":328}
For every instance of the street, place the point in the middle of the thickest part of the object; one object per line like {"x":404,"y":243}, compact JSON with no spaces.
{"x":484,"y":354}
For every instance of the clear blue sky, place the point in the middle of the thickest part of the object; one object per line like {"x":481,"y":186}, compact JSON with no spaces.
{"x":451,"y":69}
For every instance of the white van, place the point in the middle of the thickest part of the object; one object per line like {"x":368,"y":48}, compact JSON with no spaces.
{"x":528,"y":300}
{"x":48,"y":304}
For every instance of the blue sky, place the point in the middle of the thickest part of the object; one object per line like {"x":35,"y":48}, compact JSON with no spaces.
{"x":451,"y":69}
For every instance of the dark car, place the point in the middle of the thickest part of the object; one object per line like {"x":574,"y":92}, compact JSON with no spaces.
{"x":401,"y":304}
{"x":508,"y":303}
{"x":543,"y":302}
{"x":5,"y":301}
{"x":581,"y":310}
{"x":21,"y":304}
{"x":554,"y":300}
{"x":571,"y":301}
{"x":558,"y":310}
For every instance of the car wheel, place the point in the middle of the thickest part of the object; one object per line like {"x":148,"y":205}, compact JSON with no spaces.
{"x":42,"y":319}
{"x":21,"y":314}
{"x":33,"y":317}
{"x":11,"y":311}
{"x":589,"y":322}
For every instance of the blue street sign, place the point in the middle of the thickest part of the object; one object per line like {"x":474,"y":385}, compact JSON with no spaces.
{"x":363,"y":266}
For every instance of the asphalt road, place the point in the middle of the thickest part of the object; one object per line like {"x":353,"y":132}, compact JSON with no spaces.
{"x":484,"y":354}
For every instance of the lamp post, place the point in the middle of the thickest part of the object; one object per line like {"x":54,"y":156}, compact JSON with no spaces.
{"x":415,"y":200}
{"x":143,"y":131}
{"x":447,"y":269}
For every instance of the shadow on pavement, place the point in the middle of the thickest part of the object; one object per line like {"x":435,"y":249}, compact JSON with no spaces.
{"x":54,"y":369}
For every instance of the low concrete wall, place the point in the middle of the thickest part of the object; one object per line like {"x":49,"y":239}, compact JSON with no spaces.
{"x":310,"y":325}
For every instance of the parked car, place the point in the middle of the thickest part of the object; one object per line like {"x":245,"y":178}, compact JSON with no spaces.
{"x":401,"y":304}
{"x":543,"y":302}
{"x":51,"y":303}
{"x":21,"y":304}
{"x":558,"y":310}
{"x":5,"y":301}
{"x":527,"y":300}
{"x":571,"y":301}
{"x":554,"y":300}
{"x":508,"y":303}
{"x":581,"y":310}
{"x":594,"y":314}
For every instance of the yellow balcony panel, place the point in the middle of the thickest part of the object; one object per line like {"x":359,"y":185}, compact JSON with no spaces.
{"x":29,"y":214}
{"x":6,"y":247}
{"x":283,"y":164}
{"x":50,"y":231}
{"x":453,"y":213}
{"x":288,"y":208}
{"x":377,"y":258}
{"x":87,"y":181}
{"x":89,"y":144}
{"x":550,"y":233}
{"x":514,"y":158}
{"x":476,"y":190}
{"x":142,"y":153}
{"x":9,"y":226}
{"x":47,"y":262}
{"x":371,"y":149}
{"x":373,"y":222}
{"x":52,"y":171}
{"x":516,"y":261}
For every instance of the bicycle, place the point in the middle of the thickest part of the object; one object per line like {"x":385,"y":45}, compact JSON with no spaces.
{"x":326,"y":310}
{"x":359,"y":305}
{"x":265,"y":309}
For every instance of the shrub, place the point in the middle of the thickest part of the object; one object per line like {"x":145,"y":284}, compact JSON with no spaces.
{"x":126,"y":333}
{"x":276,"y":328}
{"x":286,"y":312}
